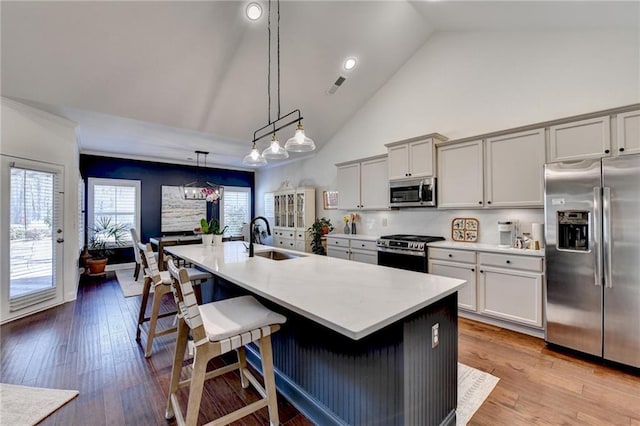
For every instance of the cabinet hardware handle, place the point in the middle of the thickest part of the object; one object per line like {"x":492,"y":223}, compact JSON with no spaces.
{"x":450,"y":255}
{"x":621,"y":149}
{"x":508,"y":261}
{"x":479,"y":202}
{"x":488,"y":202}
{"x":362,"y":245}
{"x":473,"y":270}
{"x":606,"y":151}
{"x":409,"y":174}
{"x":481,"y":271}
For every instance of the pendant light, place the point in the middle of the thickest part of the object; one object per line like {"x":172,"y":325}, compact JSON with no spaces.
{"x":275,"y":151}
{"x":299,"y":142}
{"x":201,"y":190}
{"x":254,"y":158}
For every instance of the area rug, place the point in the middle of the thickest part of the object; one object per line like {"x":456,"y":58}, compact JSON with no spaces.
{"x":129,"y":286}
{"x":474,"y":386}
{"x":26,"y":406}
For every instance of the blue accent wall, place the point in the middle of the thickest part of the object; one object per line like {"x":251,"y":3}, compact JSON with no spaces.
{"x":152,"y":176}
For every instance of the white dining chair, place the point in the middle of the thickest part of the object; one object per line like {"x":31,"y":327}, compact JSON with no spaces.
{"x":160,"y":281}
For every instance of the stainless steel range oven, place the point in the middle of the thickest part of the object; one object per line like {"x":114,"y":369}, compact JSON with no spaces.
{"x":405,"y":251}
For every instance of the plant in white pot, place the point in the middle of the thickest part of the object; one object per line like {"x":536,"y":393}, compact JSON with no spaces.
{"x":211,"y":231}
{"x":105,"y":235}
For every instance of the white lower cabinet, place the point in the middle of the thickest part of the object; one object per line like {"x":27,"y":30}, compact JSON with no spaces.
{"x":508,"y":287}
{"x":353,"y":248}
{"x":467,"y":295}
{"x":511,"y":295}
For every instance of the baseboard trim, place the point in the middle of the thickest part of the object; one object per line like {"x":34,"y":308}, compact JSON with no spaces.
{"x":504,"y":324}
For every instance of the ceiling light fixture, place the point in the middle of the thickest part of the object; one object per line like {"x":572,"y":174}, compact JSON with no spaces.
{"x":349,"y":63}
{"x":198,"y":190}
{"x":299,"y":142}
{"x":254,"y":11}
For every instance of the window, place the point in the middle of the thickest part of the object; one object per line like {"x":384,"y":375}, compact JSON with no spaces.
{"x":117,"y":199}
{"x":235,"y":209}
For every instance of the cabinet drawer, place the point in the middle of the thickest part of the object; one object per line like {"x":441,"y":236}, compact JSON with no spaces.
{"x":452,"y":255}
{"x":510,"y":261}
{"x":300,"y":234}
{"x":337,"y":242}
{"x":284,"y":233}
{"x":288,"y":243}
{"x":364,"y":245}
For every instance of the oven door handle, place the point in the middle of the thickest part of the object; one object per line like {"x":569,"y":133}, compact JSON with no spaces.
{"x":403,"y":252}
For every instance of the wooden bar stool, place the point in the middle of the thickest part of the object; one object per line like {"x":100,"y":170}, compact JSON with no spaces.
{"x":137,"y":253}
{"x":218,"y":328}
{"x":161,"y":282}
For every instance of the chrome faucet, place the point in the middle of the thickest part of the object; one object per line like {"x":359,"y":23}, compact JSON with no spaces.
{"x":251,"y":232}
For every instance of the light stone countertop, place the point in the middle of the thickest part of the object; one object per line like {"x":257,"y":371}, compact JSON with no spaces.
{"x":492,"y":248}
{"x":352,"y":298}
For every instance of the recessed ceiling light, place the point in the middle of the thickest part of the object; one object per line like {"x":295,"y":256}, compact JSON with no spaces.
{"x":254,"y":11}
{"x":349,"y":63}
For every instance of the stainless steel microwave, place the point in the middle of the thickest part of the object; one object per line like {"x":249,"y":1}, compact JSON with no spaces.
{"x":413,"y":193}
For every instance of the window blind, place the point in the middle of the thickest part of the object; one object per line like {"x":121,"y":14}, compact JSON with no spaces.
{"x":236,"y":208}
{"x":116,"y":199}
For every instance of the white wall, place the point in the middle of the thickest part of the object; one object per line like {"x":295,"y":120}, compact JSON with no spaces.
{"x":466,"y":83}
{"x":33,"y":134}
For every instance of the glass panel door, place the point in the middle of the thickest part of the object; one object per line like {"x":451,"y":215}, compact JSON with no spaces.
{"x":34,"y":220}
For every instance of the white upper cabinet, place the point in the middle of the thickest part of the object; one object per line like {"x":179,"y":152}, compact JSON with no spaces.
{"x":579,"y":140}
{"x":628,"y":133}
{"x":363,"y":184}
{"x":413,"y":158}
{"x":349,"y":186}
{"x":460,"y":175}
{"x":514,"y":172}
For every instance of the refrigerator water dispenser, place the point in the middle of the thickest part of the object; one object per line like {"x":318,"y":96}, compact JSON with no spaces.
{"x":573,"y":230}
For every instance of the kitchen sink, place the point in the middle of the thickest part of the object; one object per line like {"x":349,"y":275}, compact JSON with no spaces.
{"x":277,"y":255}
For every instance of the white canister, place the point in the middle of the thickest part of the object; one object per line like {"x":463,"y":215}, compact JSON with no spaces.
{"x":537,"y":233}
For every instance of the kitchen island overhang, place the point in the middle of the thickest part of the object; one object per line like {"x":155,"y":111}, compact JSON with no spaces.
{"x":357,"y":346}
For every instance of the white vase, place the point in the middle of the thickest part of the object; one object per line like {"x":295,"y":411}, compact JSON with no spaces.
{"x":207,"y":239}
{"x":217,"y":240}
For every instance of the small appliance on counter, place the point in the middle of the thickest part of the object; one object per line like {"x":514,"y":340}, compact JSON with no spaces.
{"x":506,"y":230}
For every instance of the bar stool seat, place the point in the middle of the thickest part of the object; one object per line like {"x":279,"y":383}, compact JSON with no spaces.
{"x":217,"y":328}
{"x":160,"y":281}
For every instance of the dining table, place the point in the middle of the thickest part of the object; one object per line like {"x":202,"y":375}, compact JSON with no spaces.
{"x":161,"y":242}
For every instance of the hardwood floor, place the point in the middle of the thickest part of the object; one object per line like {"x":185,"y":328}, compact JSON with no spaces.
{"x":89,"y":345}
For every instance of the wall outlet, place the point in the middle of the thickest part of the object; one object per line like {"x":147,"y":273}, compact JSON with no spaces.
{"x":435,"y":336}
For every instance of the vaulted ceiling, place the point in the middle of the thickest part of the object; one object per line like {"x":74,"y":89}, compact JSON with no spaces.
{"x":159,"y":80}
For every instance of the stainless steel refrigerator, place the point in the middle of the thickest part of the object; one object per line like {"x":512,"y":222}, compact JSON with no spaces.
{"x":592,"y":216}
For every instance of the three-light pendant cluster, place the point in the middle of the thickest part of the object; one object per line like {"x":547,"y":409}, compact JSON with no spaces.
{"x":299,"y":142}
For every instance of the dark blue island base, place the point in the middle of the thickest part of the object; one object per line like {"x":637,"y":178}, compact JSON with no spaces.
{"x":391,"y":377}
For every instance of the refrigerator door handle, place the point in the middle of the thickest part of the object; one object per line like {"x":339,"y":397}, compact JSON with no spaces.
{"x":606,"y":235}
{"x":596,"y":235}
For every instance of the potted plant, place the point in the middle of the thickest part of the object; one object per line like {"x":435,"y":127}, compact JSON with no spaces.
{"x":210,"y":230}
{"x":105,"y":236}
{"x":317,"y":230}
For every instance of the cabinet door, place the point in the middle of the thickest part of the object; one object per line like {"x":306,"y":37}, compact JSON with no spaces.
{"x":364,"y":256}
{"x":349,"y":186}
{"x":460,"y":171}
{"x":374,"y":184}
{"x":340,"y":253}
{"x":398,"y":162}
{"x":467,"y":294}
{"x":421,"y":158}
{"x":510,"y":295}
{"x":579,"y":140}
{"x":515,"y":170}
{"x":629,"y":133}
{"x":301,"y":245}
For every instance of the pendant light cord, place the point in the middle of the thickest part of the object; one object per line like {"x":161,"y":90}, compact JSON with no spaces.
{"x":278,"y":47}
{"x":269,"y":64}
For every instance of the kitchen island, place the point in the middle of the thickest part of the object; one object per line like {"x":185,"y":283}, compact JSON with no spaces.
{"x":357,"y":345}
